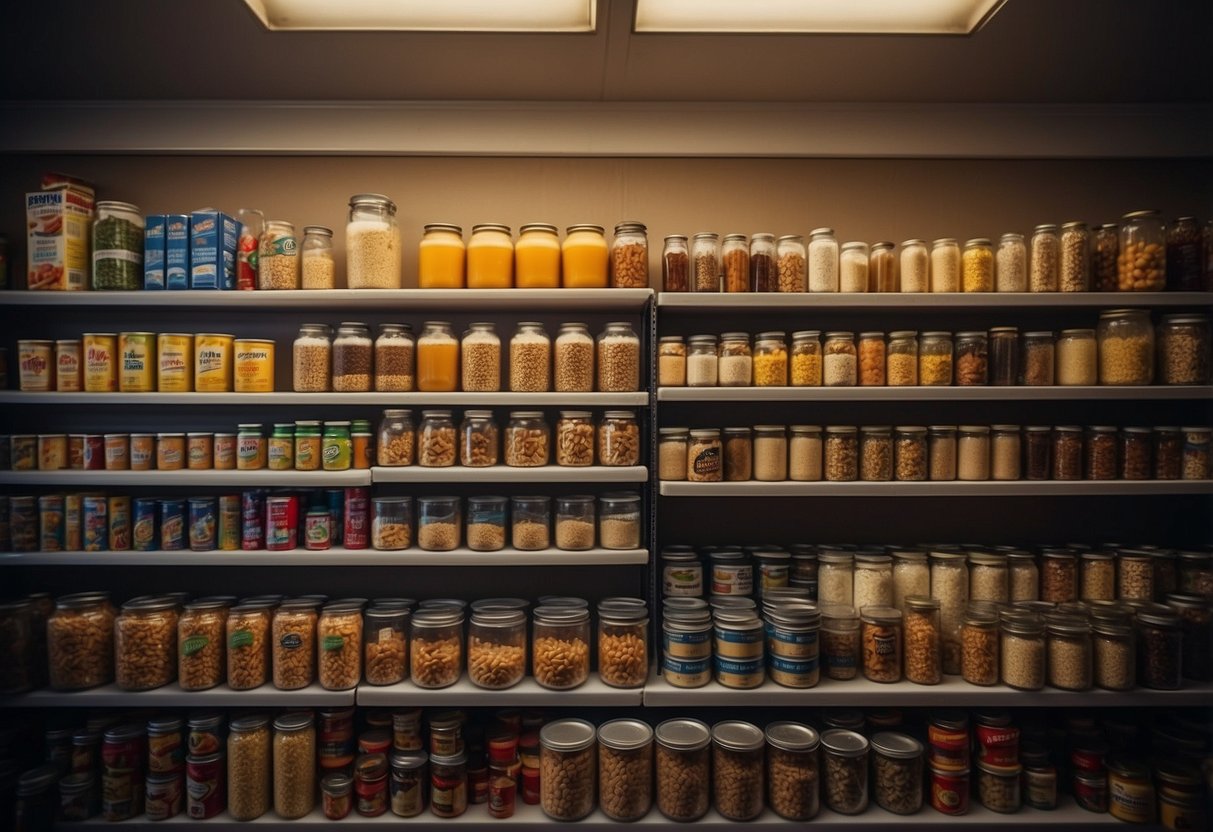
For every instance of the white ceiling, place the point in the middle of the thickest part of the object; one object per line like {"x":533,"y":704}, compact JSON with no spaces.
{"x":1032,"y":51}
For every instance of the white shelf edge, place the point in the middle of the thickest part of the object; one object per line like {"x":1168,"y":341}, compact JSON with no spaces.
{"x":592,"y":693}
{"x":910,"y":300}
{"x":172,"y":696}
{"x":186,"y":477}
{"x":506,"y":474}
{"x":332,"y":557}
{"x":860,"y":394}
{"x":1015,"y":488}
{"x":460,"y":399}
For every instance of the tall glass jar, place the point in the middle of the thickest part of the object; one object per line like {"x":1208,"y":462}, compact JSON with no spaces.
{"x":395,"y":359}
{"x":293,"y":646}
{"x":1005,"y":444}
{"x":902,"y":359}
{"x":1159,"y":650}
{"x":876,"y":453}
{"x":1011,"y":264}
{"x":1004,"y":355}
{"x":1141,"y":264}
{"x":675,"y":264}
{"x":1069,"y":659}
{"x":1076,"y":358}
{"x":573,"y":359}
{"x":618,"y":348}
{"x":278,"y":256}
{"x":527,"y":440}
{"x":806,"y":359}
{"x":823,"y":260}
{"x":770,"y":360}
{"x":683,"y":769}
{"x":625,"y":769}
{"x":248,"y":763}
{"x":339,"y":643}
{"x":1059,"y":576}
{"x":790,"y":255}
{"x":353,"y":358}
{"x":530,"y":359}
{"x":841,"y":453}
{"x":623,"y":658}
{"x":911,"y":576}
{"x":396,"y":439}
{"x":497,"y":648}
{"x":910,"y":453}
{"x":735,"y":261}
{"x":792,"y":770}
{"x":897,"y":772}
{"x":1037,"y":358}
{"x":702,"y":362}
{"x":805,"y":453}
{"x":941,"y":452}
{"x":294,"y":765}
{"x":672,"y":361}
{"x":441,"y":257}
{"x":1183,"y":349}
{"x":248,"y":646}
{"x":840,"y":362}
{"x":950,"y":586}
{"x":1115,"y":663}
{"x":763,"y":275}
{"x":845,"y":758}
{"x":310,"y":359}
{"x":372,"y":243}
{"x":537,"y":257}
{"x":979,"y":648}
{"x":1044,"y":262}
{"x":935,"y":359}
{"x":1126,"y":347}
{"x":871,"y":359}
{"x":436,"y":439}
{"x":737,"y":764}
{"x":480,"y":351}
{"x":735,"y":360}
{"x":200,"y":637}
{"x":117,"y":246}
{"x":836,"y":578}
{"x":853,"y":267}
{"x":1075,"y":271}
{"x":882,"y":268}
{"x":630,"y":256}
{"x":560,"y":647}
{"x":945,"y":265}
{"x":583,"y":257}
{"x":840,"y":647}
{"x":1106,"y":253}
{"x":437,"y":358}
{"x":439,"y":526}
{"x":705,"y":261}
{"x":972,"y":359}
{"x":978,"y":266}
{"x":915,"y":264}
{"x":317,"y":258}
{"x":490,"y":257}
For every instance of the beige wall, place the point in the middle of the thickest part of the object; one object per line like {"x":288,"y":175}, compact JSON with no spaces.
{"x":862,"y":199}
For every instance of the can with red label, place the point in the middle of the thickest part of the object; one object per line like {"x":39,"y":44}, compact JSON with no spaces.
{"x":164,"y":794}
{"x":229,"y":522}
{"x":172,"y":525}
{"x":204,"y":786}
{"x":948,"y":741}
{"x":355,"y":533}
{"x":281,"y":522}
{"x":252,"y":520}
{"x":997,"y":739}
{"x":23,"y":523}
{"x":317,"y":528}
{"x":94,"y":452}
{"x":120,"y":524}
{"x":143,"y":525}
{"x":95,"y":521}
{"x":950,"y":791}
{"x":203,"y":523}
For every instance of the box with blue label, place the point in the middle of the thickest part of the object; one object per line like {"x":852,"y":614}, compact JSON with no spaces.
{"x":153,"y":251}
{"x":212,"y":250}
{"x":177,"y":251}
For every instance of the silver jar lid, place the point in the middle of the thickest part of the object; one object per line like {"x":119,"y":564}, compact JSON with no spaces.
{"x":567,"y":735}
{"x":624,"y":734}
{"x":736,"y":735}
{"x":792,"y":736}
{"x":683,"y":734}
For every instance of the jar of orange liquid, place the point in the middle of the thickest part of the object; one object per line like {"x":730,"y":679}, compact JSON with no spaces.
{"x":537,"y":257}
{"x":584,"y":257}
{"x":437,"y":358}
{"x":440,"y":258}
{"x":490,"y":257}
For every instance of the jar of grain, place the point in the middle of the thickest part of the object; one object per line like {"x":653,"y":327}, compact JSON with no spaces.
{"x":950,"y":586}
{"x":806,"y":358}
{"x":738,"y":445}
{"x":672,"y":361}
{"x":770,"y":453}
{"x":1196,"y":615}
{"x":882,"y":268}
{"x":437,"y":358}
{"x":1141,"y":263}
{"x":1183,"y":349}
{"x":845,"y":759}
{"x":702,"y":361}
{"x":977,"y":265}
{"x":675,"y":264}
{"x":770,"y":362}
{"x":497,"y":648}
{"x":941,"y":452}
{"x":448,"y":784}
{"x":1038,"y":451}
{"x":1076,"y":358}
{"x":1126,"y":347}
{"x":1045,"y":259}
{"x":394,"y":359}
{"x":1011,"y":264}
{"x":989,"y":578}
{"x":1114,"y":656}
{"x":438,"y":523}
{"x":481,"y":358}
{"x":145,"y":644}
{"x":1098,"y":576}
{"x":840,"y":362}
{"x":317,"y":258}
{"x":841,"y":453}
{"x":530,"y":359}
{"x":200,"y":639}
{"x":294,"y":765}
{"x":394,"y":446}
{"x":278,"y":256}
{"x":339,"y":639}
{"x":619,"y":520}
{"x":372,"y":243}
{"x":762,"y":263}
{"x":619,"y":358}
{"x":897,"y":772}
{"x":915,"y":266}
{"x":935,"y":359}
{"x":836,"y":578}
{"x":923,"y":640}
{"x":1067,"y":452}
{"x":441,"y":257}
{"x":1024,"y":576}
{"x":840,"y":647}
{"x":623,"y":657}
{"x":1101,"y":448}
{"x":436,"y":439}
{"x":391,"y":523}
{"x":735,"y":259}
{"x":1059,"y":576}
{"x":353,"y":358}
{"x":737,"y":770}
{"x":560,"y":647}
{"x":1004,"y":452}
{"x":945,"y":265}
{"x":881,"y":633}
{"x":1184,"y":256}
{"x":853,"y":267}
{"x":705,"y":256}
{"x":973,"y":452}
{"x":1069,"y":651}
{"x":575,"y":522}
{"x":1037,"y":359}
{"x":1106,"y":253}
{"x":683,"y":769}
{"x":248,"y":646}
{"x":1196,"y":453}
{"x":704,"y":456}
{"x":735,"y":360}
{"x":873,"y":581}
{"x":310,"y":359}
{"x":792,"y":770}
{"x":1075,"y":258}
{"x":478,"y":439}
{"x":672,"y":454}
{"x":911,"y":576}
{"x":1022,"y":652}
{"x":630,"y":256}
{"x":979,"y":647}
{"x":871,"y":359}
{"x":625,"y":769}
{"x":1196,"y":573}
{"x":248,"y":767}
{"x":823,"y":260}
{"x":805,"y":453}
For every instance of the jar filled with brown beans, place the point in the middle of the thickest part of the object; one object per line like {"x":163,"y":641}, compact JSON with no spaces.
{"x":1135,"y":579}
{"x":1058,"y":576}
{"x":841,"y":453}
{"x":1067,"y":452}
{"x":1101,"y":452}
{"x":876,"y":453}
{"x":145,"y":644}
{"x":248,"y":646}
{"x":568,"y":770}
{"x":1098,"y":576}
{"x":395,"y":360}
{"x":845,"y":760}
{"x":897,"y":772}
{"x":683,"y":769}
{"x":497,"y":648}
{"x":1038,"y":452}
{"x":396,"y":439}
{"x":625,"y":769}
{"x":737,"y":770}
{"x":793,"y":770}
{"x":560,"y":646}
{"x":385,"y":644}
{"x":294,"y":644}
{"x":436,"y":647}
{"x":1196,"y":620}
{"x":623,"y":660}
{"x":1168,"y":453}
{"x":200,"y":644}
{"x":1136,"y":450}
{"x":1197,"y":456}
{"x":339,"y":646}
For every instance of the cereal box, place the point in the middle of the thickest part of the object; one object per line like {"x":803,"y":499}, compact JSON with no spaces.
{"x":59,"y":221}
{"x":212,"y":250}
{"x":153,"y":251}
{"x":177,"y":251}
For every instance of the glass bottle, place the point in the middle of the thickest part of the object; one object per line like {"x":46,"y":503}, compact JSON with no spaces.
{"x":490,"y":257}
{"x":823,"y":261}
{"x":735,"y":258}
{"x":1126,"y":347}
{"x":372,"y":243}
{"x":1044,"y":265}
{"x":583,"y":257}
{"x":882,"y":268}
{"x":945,"y":265}
{"x":317,"y":258}
{"x":977,"y":264}
{"x":310,"y":359}
{"x":1075,"y":271}
{"x":675,"y":264}
{"x":537,"y":257}
{"x":395,"y":359}
{"x":437,"y":358}
{"x":441,"y":257}
{"x":915,"y":262}
{"x":791,"y":264}
{"x":1141,"y":264}
{"x":1011,"y":264}
{"x":763,"y":276}
{"x":705,"y":256}
{"x":853,"y":267}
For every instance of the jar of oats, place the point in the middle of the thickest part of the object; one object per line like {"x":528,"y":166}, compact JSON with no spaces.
{"x":436,"y":647}
{"x":372,"y":243}
{"x":1069,"y":659}
{"x":560,"y":647}
{"x":478,"y":439}
{"x":339,"y":646}
{"x":841,"y":453}
{"x":294,"y":644}
{"x":248,"y":767}
{"x":1114,"y":655}
{"x":395,"y":359}
{"x":567,"y":779}
{"x":310,"y":359}
{"x":683,"y":769}
{"x":804,"y":453}
{"x":625,"y":769}
{"x":396,"y":439}
{"x":200,"y":640}
{"x":294,"y":765}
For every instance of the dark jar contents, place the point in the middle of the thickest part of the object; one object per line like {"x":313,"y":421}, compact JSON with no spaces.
{"x":1159,"y":651}
{"x":1168,"y":453}
{"x":1184,"y":256}
{"x":675,"y":265}
{"x":972,"y":359}
{"x":1135,"y":451}
{"x":1004,"y":356}
{"x":1101,"y":453}
{"x":1038,"y":442}
{"x":1067,"y":453}
{"x":1037,"y":360}
{"x":762,"y":263}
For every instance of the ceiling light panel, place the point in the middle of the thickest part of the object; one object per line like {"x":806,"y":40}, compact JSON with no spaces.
{"x":427,"y":15}
{"x":876,"y":17}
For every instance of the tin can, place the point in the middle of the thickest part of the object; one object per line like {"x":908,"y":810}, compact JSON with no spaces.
{"x":355,"y":532}
{"x":948,"y":741}
{"x":317,"y":525}
{"x":6,"y":539}
{"x":164,"y":796}
{"x":335,"y":497}
{"x":73,"y":522}
{"x":204,"y":786}
{"x":165,"y":746}
{"x":23,"y":523}
{"x":252,"y":520}
{"x":229,"y":522}
{"x":205,"y":734}
{"x":175,"y":362}
{"x":95,"y":522}
{"x":202,"y":523}
{"x":50,"y":523}
{"x":37,"y":361}
{"x":68,"y":368}
{"x":24,"y":453}
{"x":251,"y":450}
{"x":213,"y":362}
{"x":997,"y":740}
{"x":254,"y":365}
{"x":137,"y":371}
{"x":117,"y":451}
{"x":120,"y":524}
{"x":172,"y":525}
{"x":1091,"y":790}
{"x":123,"y":750}
{"x":93,"y":452}
{"x":281,"y":522}
{"x":52,"y":451}
{"x":75,"y":451}
{"x":530,"y":785}
{"x":224,"y":451}
{"x":950,"y":791}
{"x":199,"y":450}
{"x":170,"y":451}
{"x":143,"y":451}
{"x":503,"y":793}
{"x":362,"y":453}
{"x":100,"y":350}
{"x":143,"y":528}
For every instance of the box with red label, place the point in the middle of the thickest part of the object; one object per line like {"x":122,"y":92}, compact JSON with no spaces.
{"x":59,"y":222}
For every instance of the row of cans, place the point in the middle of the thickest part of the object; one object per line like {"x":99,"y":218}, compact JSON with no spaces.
{"x":254,"y":519}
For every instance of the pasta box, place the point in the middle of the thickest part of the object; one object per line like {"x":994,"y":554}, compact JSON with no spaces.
{"x":153,"y":250}
{"x":177,"y":251}
{"x":213,"y":236}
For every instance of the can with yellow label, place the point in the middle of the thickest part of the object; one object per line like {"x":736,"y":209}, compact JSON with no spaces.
{"x":143,"y":451}
{"x":254,"y":365}
{"x":137,"y":372}
{"x":213,"y":362}
{"x":67,"y":366}
{"x":52,"y":451}
{"x":100,"y":356}
{"x":175,"y":362}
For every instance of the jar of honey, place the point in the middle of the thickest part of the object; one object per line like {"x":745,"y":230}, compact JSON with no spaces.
{"x":437,"y":358}
{"x":441,"y":256}
{"x":584,"y":257}
{"x":537,"y":257}
{"x":490,"y":258}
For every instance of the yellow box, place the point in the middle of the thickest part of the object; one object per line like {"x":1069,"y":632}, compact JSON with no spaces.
{"x":137,"y":373}
{"x":100,"y":355}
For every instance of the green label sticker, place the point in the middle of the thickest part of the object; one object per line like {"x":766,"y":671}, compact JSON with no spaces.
{"x":333,"y":642}
{"x":240,"y":638}
{"x":194,"y":644}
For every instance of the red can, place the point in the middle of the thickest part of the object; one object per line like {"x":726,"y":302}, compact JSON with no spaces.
{"x":950,"y":791}
{"x":281,"y":522}
{"x":335,"y":726}
{"x":124,"y":747}
{"x":997,"y":740}
{"x":204,"y":786}
{"x":1089,"y":756}
{"x":94,"y":452}
{"x":948,"y":741}
{"x":478,"y":784}
{"x":355,"y":535}
{"x":377,"y":741}
{"x":530,"y":785}
{"x":252,"y":520}
{"x":503,"y":792}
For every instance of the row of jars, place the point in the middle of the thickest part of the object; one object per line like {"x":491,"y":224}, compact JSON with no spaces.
{"x":1124,"y":352}
{"x":1139,"y":254}
{"x":915,"y":453}
{"x":351,"y":361}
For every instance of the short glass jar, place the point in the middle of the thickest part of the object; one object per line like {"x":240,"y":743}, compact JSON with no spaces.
{"x":972,"y":359}
{"x":436,"y":440}
{"x":702,"y":362}
{"x":841,"y":453}
{"x":853,"y":267}
{"x":353,"y":358}
{"x":490,"y":257}
{"x":436,"y":647}
{"x":1126,"y":347}
{"x":560,"y":647}
{"x":497,"y":641}
{"x":630,"y":256}
{"x":527,"y":440}
{"x":441,"y":257}
{"x":672,"y":361}
{"x":876,"y":453}
{"x":973,"y":453}
{"x":623,"y":659}
{"x":793,"y":770}
{"x":478,"y":439}
{"x":770,"y":360}
{"x":573,"y":359}
{"x":316,"y":257}
{"x":439,"y":526}
{"x":618,"y":348}
{"x":840,"y":362}
{"x":619,"y":521}
{"x":437,"y":358}
{"x":1076,"y":358}
{"x":823,"y":260}
{"x":735,"y":360}
{"x":805,"y":453}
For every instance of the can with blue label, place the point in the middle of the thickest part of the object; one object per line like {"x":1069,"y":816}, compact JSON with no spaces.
{"x":229,"y":522}
{"x":120,"y":524}
{"x":50,"y":522}
{"x":143,"y":526}
{"x":95,"y":521}
{"x":203,"y":523}
{"x":335,"y":499}
{"x":73,"y":522}
{"x":172,"y":525}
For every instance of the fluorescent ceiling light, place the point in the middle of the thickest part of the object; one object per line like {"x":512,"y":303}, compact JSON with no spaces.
{"x":876,"y":17}
{"x":428,"y":15}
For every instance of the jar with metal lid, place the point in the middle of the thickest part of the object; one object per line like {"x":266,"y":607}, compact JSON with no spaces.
{"x":845,"y":758}
{"x":395,"y":439}
{"x":1005,"y":443}
{"x":625,"y":769}
{"x":408,"y":782}
{"x":622,"y":643}
{"x":527,"y":440}
{"x":384,"y":647}
{"x":1037,"y":359}
{"x":1196,"y":615}
{"x":923,"y":650}
{"x":735,"y":261}
{"x":737,"y":770}
{"x":310,"y":359}
{"x":619,"y":520}
{"x":353,"y":358}
{"x":1069,"y":659}
{"x":945,"y":265}
{"x":1130,"y":790}
{"x":1196,"y":573}
{"x":490,"y":257}
{"x":935,"y":359}
{"x":853,"y":267}
{"x":1184,"y":256}
{"x":1196,"y":453}
{"x":1067,"y":452}
{"x":441,"y":257}
{"x":437,"y":358}
{"x":675,"y":264}
{"x":701,"y":368}
{"x":1059,"y":576}
{"x":872,"y":581}
{"x":294,"y":765}
{"x":573,"y":359}
{"x":568,"y":774}
{"x":770,"y":360}
{"x":683,"y":769}
{"x":1022,"y":652}
{"x":681,"y":573}
{"x":537,"y":257}
{"x":897,"y":772}
{"x":836,"y":578}
{"x":941,"y":452}
{"x":792,"y":770}
{"x":882,"y":268}
{"x":1126,"y":347}
{"x":584,"y":257}
{"x":806,"y":359}
{"x":80,"y":641}
{"x":704,"y":456}
{"x":630,"y":256}
{"x":738,"y":446}
{"x":841,"y":453}
{"x":763,"y":274}
{"x":979,"y":647}
{"x":871,"y":359}
{"x":977,"y":265}
{"x":672,"y":454}
{"x":988,"y":578}
{"x":1076,"y":358}
{"x":316,"y":256}
{"x":915,"y":268}
{"x":805,"y":453}
{"x":436,"y":439}
{"x":973,"y":452}
{"x":248,"y":767}
{"x":497,"y":648}
{"x":372,"y":242}
{"x":1075,"y":258}
{"x":1105,"y":256}
{"x":734,"y":362}
{"x":370,"y":784}
{"x":1044,"y":259}
{"x":278,"y":256}
{"x":790,"y":260}
{"x":145,"y":644}
{"x":618,"y":358}
{"x":1038,"y":451}
{"x":530,"y":359}
{"x":882,"y":643}
{"x":998,"y":787}
{"x":972,"y":359}
{"x":705,"y":257}
{"x":1159,"y":650}
{"x":1011,"y":264}
{"x":560,"y":647}
{"x":436,"y":647}
{"x":770,"y":454}
{"x":293,"y":644}
{"x":339,"y":643}
{"x":672,"y":361}
{"x":1141,"y":263}
{"x":575,"y":439}
{"x":911,"y":575}
{"x":1114,"y":660}
{"x":840,"y":643}
{"x":1183,"y":349}
{"x":840,"y":363}
{"x":823,"y":260}
{"x":481,"y":359}
{"x":449,"y":784}
{"x":1003,"y":356}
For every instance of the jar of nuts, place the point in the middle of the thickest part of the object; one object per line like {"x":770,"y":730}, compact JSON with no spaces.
{"x":897,"y":772}
{"x":530,"y":359}
{"x":625,"y":769}
{"x":478,"y":439}
{"x":792,"y":770}
{"x":619,"y":520}
{"x":145,"y":644}
{"x":200,"y":640}
{"x":1059,"y":576}
{"x":481,"y":349}
{"x":619,"y":439}
{"x":497,"y":648}
{"x":876,"y":453}
{"x":1141,"y":263}
{"x":436,"y":647}
{"x":683,"y":768}
{"x":737,"y":770}
{"x":310,"y":359}
{"x":623,"y":660}
{"x":1114,"y":655}
{"x":574,"y":359}
{"x":881,"y":635}
{"x":841,"y":453}
{"x":846,"y":770}
{"x":248,"y":645}
{"x":526,"y":439}
{"x":436,"y":439}
{"x":339,"y":646}
{"x":396,"y":437}
{"x":391,"y":523}
{"x":575,"y":439}
{"x":80,"y":641}
{"x":923,"y":643}
{"x":575,"y":522}
{"x":567,"y":779}
{"x":972,"y":359}
{"x":618,"y":358}
{"x":486,"y":523}
{"x":353,"y":358}
{"x":294,"y":765}
{"x":395,"y":359}
{"x":979,"y":647}
{"x":530,"y":519}
{"x":438,"y":523}
{"x":630,"y":256}
{"x":1196,"y":573}
{"x":560,"y":646}
{"x":294,"y":644}
{"x":1183,"y":349}
{"x":384,"y":647}
{"x":910,"y":453}
{"x":248,"y":767}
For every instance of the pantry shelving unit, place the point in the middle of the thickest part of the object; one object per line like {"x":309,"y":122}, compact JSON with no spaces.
{"x":709,"y":303}
{"x":283,"y":399}
{"x":527,"y":693}
{"x":194,"y":478}
{"x":933,"y":394}
{"x":171,"y":696}
{"x":502,"y":473}
{"x":955,"y":488}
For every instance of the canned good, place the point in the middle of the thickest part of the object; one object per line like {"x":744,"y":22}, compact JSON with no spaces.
{"x":23,"y":523}
{"x":143,"y":451}
{"x":119,"y":524}
{"x":199,"y":450}
{"x":137,"y":371}
{"x":280,"y":450}
{"x":165,"y":746}
{"x":948,"y":741}
{"x":23,"y":453}
{"x":202,"y":523}
{"x":172,"y":525}
{"x":100,"y":350}
{"x":205,"y":734}
{"x":254,"y":365}
{"x":356,"y":529}
{"x":175,"y":362}
{"x":170,"y":451}
{"x":225,"y":451}
{"x":317,"y":527}
{"x":50,"y":522}
{"x":252,"y":520}
{"x":335,"y":498}
{"x":73,"y":522}
{"x":117,"y":451}
{"x":52,"y":451}
{"x":204,"y":785}
{"x":92,"y":452}
{"x":281,"y":523}
{"x":75,"y":451}
{"x":213,"y":362}
{"x":164,"y":796}
{"x":229,"y":522}
{"x":95,"y":522}
{"x":37,"y":362}
{"x":68,"y":369}
{"x":950,"y":791}
{"x":77,"y":797}
{"x":251,"y":449}
{"x":143,"y":528}
{"x":123,"y":750}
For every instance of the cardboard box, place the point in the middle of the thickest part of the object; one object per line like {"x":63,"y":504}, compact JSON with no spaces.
{"x":59,"y":223}
{"x":154,"y":251}
{"x":177,"y":251}
{"x":213,"y":236}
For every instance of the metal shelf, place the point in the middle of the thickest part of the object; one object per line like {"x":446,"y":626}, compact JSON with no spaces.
{"x":593,"y":693}
{"x":907,"y":300}
{"x":332,"y":557}
{"x":987,"y":488}
{"x":920,"y":394}
{"x":504,"y":473}
{"x":171,"y":696}
{"x":233,"y":478}
{"x":330,"y":399}
{"x":376,"y":299}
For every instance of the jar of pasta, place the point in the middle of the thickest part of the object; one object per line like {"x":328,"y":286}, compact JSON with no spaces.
{"x":619,"y":439}
{"x":294,"y":765}
{"x":436,"y":647}
{"x":560,"y":646}
{"x":248,"y":646}
{"x":806,"y":358}
{"x":872,"y":359}
{"x":622,"y":642}
{"x":145,"y":644}
{"x":735,"y":261}
{"x":200,"y":640}
{"x":339,"y":643}
{"x":770,"y":360}
{"x":630,"y":256}
{"x":1126,"y":347}
{"x":436,"y":439}
{"x":527,"y":440}
{"x":935,"y":359}
{"x":977,"y":265}
{"x":384,"y":644}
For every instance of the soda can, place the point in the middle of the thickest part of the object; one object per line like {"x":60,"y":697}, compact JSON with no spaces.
{"x":95,"y":522}
{"x":356,"y":527}
{"x":252,"y":519}
{"x":143,"y":530}
{"x":335,"y":499}
{"x":281,"y":522}
{"x":202,"y":523}
{"x":23,"y":523}
{"x":120,"y":524}
{"x":172,"y":524}
{"x":6,"y":539}
{"x":73,"y":522}
{"x":50,"y":522}
{"x":228,"y":536}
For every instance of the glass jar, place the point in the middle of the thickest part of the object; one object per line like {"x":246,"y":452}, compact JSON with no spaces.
{"x":490,"y":257}
{"x":1097,"y":576}
{"x":145,"y":644}
{"x":1196,"y":456}
{"x":836,"y":578}
{"x":1141,"y":264}
{"x":339,"y":638}
{"x":478,"y":439}
{"x":945,"y":265}
{"x":619,"y":521}
{"x":1011,"y":262}
{"x":770,"y":455}
{"x":792,"y":770}
{"x":1025,"y":576}
{"x":790,"y":264}
{"x":763,"y":274}
{"x":977,"y":265}
{"x":573,"y":359}
{"x":675,"y":264}
{"x":1105,"y":255}
{"x":1005,"y":452}
{"x":1101,"y":452}
{"x":973,"y":453}
{"x":735,"y":259}
{"x":806,"y":359}
{"x":449,"y":784}
{"x":873,"y":581}
{"x":497,"y":648}
{"x":735,"y":360}
{"x":989,"y":579}
{"x":530,"y":359}
{"x":683,"y":769}
{"x":625,"y":769}
{"x":1069,"y":658}
{"x":1037,"y":359}
{"x":935,"y":359}
{"x":1076,"y":358}
{"x":537,"y":257}
{"x":876,"y":453}
{"x":353,"y":358}
{"x":972,"y":359}
{"x":436,"y":439}
{"x":1067,"y":452}
{"x":840,"y":361}
{"x":1196,"y":573}
{"x":486,"y":523}
{"x":481,"y":359}
{"x":278,"y":256}
{"x":623,"y":659}
{"x":1004,"y":355}
{"x":394,"y":359}
{"x":248,"y":646}
{"x":705,"y":253}
{"x":702,"y":361}
{"x":437,"y":358}
{"x":1183,"y":349}
{"x":618,"y":439}
{"x":979,"y":648}
{"x":871,"y":359}
{"x":998,"y":786}
{"x":1135,"y":575}
{"x":915,"y":263}
{"x":1184,"y":256}
{"x":248,"y":763}
{"x":435,"y":648}
{"x":770,"y":360}
{"x":882,"y":645}
{"x":584,"y":256}
{"x":1114,"y":659}
{"x":911,"y":576}
{"x":1058,"y":576}
{"x":372,"y":243}
{"x":294,"y":765}
{"x":1159,"y":650}
{"x":396,"y":439}
{"x":882,"y":268}
{"x":316,"y":258}
{"x":737,"y":770}
{"x":902,"y":359}
{"x":530,"y":519}
{"x":630,"y":256}
{"x":672,"y":361}
{"x":441,"y":257}
{"x":853,"y":267}
{"x":438,"y":523}
{"x":840,"y":647}
{"x":527,"y":440}
{"x":200,"y":639}
{"x":310,"y":359}
{"x":1038,"y":451}
{"x":950,"y":586}
{"x":1045,"y":259}
{"x":560,"y":647}
{"x":1126,"y":347}
{"x":1195,"y":614}
{"x":391,"y":523}
{"x":1022,"y":652}
{"x":823,"y":261}
{"x":841,"y":453}
{"x":293,"y":644}
{"x":805,"y":453}
{"x":575,"y":439}
{"x":923,"y":649}
{"x":672,"y":450}
{"x":845,"y":759}
{"x":618,"y":358}
{"x":897,"y":772}
{"x":575,"y":522}
{"x":1075,"y":258}
{"x":117,"y":238}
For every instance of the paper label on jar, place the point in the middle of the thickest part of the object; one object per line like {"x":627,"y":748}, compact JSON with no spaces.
{"x":682,"y":581}
{"x":386,"y":634}
{"x":885,"y":645}
{"x":706,"y":462}
{"x":332,"y":642}
{"x":291,"y":641}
